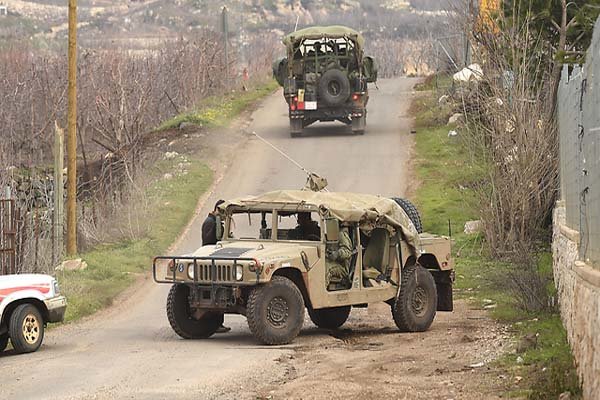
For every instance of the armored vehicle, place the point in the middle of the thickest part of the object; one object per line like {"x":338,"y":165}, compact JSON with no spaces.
{"x":277,"y":256}
{"x":325,"y":76}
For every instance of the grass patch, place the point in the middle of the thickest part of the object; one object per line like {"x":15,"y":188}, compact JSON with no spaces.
{"x":112,"y":267}
{"x":435,"y":82}
{"x":218,"y":111}
{"x":445,"y":194}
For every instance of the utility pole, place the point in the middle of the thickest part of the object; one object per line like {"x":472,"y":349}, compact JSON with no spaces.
{"x":225,"y":24}
{"x":72,"y":134}
{"x":59,"y":190}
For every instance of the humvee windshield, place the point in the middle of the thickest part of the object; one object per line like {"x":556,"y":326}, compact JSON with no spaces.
{"x":258,"y":225}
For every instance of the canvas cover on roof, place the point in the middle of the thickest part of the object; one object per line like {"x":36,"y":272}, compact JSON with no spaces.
{"x":318,"y":32}
{"x":365,"y":209}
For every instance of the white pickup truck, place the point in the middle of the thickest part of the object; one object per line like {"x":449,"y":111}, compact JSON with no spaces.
{"x":27,"y":303}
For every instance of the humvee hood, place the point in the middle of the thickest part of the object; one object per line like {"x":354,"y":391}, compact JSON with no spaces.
{"x":365,"y":209}
{"x":318,"y":32}
{"x":259,"y":250}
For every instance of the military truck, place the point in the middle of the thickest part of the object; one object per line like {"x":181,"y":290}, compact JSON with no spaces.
{"x":325,"y":77}
{"x":264,"y":269}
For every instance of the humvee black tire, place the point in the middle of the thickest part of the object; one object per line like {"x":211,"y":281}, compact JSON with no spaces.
{"x":275,"y":311}
{"x":358,"y":125}
{"x":296,"y":126}
{"x":26,"y":328}
{"x":334,"y":87}
{"x":415,"y":307}
{"x":329,"y":318}
{"x":181,"y":319}
{"x":3,"y":342}
{"x":412,"y":212}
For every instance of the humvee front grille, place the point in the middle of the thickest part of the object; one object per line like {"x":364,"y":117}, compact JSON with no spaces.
{"x":206,"y":269}
{"x":222,"y":273}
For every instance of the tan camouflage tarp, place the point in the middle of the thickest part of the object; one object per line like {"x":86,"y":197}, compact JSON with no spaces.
{"x":365,"y":209}
{"x":318,"y":32}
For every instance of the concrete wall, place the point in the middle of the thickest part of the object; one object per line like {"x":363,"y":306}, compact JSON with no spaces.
{"x":578,"y":287}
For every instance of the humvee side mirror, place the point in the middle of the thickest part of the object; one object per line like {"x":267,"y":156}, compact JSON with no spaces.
{"x":332,"y":229}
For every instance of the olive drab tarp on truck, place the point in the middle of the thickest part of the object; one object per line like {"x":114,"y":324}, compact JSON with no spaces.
{"x":325,"y":76}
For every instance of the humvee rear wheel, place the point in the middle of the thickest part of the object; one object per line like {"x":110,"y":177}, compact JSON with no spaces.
{"x":415,"y":307}
{"x":3,"y":342}
{"x":329,"y":318}
{"x":275,"y":311}
{"x":182,"y":320}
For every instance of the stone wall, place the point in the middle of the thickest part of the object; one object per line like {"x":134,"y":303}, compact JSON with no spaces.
{"x":578,"y":287}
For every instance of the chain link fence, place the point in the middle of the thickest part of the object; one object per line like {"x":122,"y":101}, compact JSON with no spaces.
{"x":579,"y":125}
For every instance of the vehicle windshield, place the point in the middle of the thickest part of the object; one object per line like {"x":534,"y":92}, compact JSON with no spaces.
{"x":251,"y":225}
{"x":257,"y":225}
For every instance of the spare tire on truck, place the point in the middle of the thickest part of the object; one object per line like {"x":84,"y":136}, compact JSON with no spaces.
{"x":412,"y":212}
{"x":334,"y":87}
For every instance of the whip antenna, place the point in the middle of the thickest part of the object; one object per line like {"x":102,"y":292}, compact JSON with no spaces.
{"x":314,"y":181}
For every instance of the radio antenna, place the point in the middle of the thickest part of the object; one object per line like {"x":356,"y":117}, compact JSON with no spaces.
{"x":314,"y":182}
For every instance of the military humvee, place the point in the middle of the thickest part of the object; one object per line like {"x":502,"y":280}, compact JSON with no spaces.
{"x":325,"y":76}
{"x":264,"y":269}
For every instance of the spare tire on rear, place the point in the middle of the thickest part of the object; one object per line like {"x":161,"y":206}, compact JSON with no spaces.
{"x":412,"y":212}
{"x":334,"y":87}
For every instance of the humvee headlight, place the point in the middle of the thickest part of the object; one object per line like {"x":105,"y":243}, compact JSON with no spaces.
{"x":190,"y":271}
{"x":239,"y":273}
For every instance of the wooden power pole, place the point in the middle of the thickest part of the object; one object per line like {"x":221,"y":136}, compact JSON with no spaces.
{"x":72,"y":134}
{"x":59,"y":211}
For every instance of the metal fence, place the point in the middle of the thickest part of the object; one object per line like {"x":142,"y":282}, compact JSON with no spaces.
{"x":579,"y":125}
{"x":9,"y":237}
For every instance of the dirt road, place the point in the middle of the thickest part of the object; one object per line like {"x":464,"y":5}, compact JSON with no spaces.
{"x":130,"y":351}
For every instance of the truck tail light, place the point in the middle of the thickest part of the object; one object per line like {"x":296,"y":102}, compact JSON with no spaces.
{"x":355,"y":96}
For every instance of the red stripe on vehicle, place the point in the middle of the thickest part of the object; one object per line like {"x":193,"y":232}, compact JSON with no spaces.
{"x":6,"y":292}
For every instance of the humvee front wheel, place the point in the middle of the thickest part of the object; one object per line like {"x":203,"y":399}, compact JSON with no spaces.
{"x":182,"y":319}
{"x":415,"y":306}
{"x":329,"y":318}
{"x":275,"y":311}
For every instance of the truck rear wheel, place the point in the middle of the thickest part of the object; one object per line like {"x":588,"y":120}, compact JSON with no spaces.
{"x":26,"y":328}
{"x":329,"y":318}
{"x":415,"y":306}
{"x":358,"y":125}
{"x":183,"y":321}
{"x":275,"y":311}
{"x":296,"y":126}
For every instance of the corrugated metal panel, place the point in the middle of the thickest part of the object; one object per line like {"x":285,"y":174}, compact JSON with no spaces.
{"x":579,"y":125}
